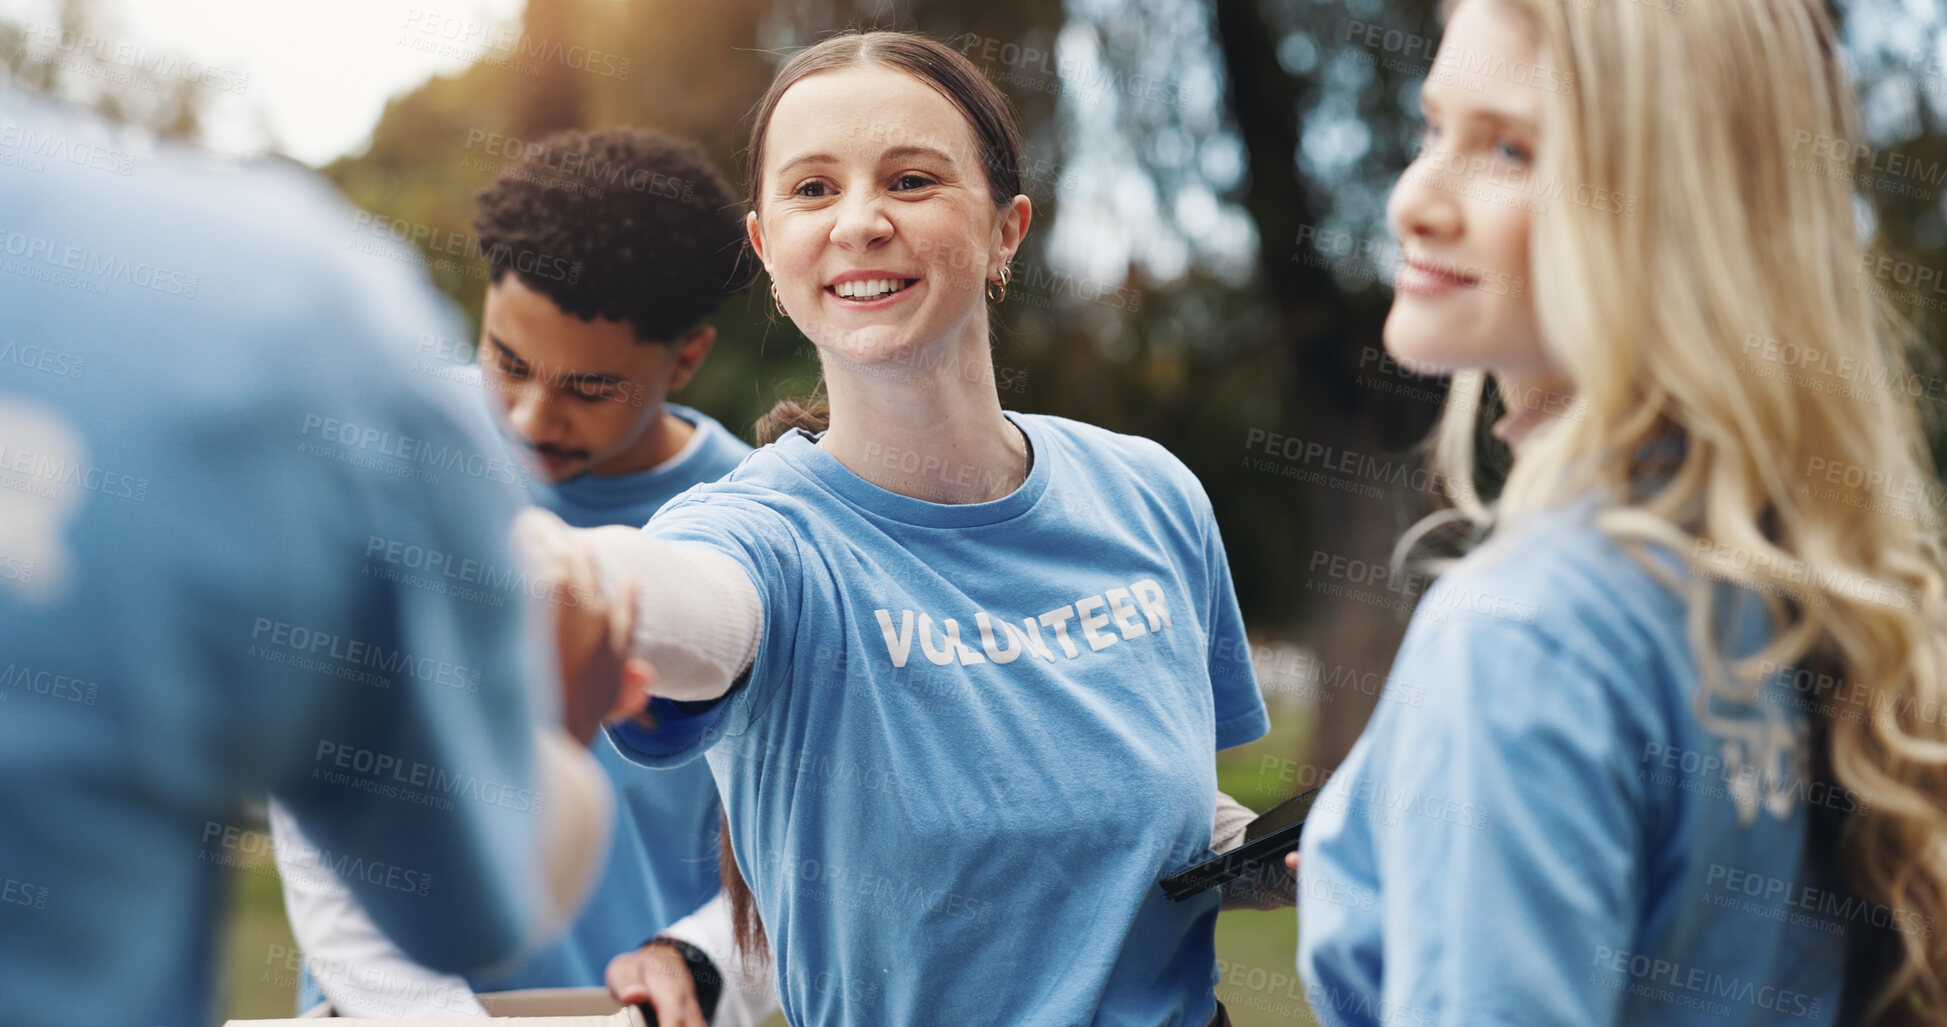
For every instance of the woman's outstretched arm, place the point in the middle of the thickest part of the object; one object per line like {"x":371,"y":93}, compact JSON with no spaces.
{"x":697,"y":615}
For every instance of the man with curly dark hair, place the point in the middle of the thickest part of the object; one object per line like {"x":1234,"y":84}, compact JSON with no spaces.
{"x":607,"y":251}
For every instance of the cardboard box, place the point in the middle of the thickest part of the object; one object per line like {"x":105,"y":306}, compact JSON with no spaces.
{"x":549,"y":1007}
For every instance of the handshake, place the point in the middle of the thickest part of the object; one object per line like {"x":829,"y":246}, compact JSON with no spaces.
{"x":615,"y":638}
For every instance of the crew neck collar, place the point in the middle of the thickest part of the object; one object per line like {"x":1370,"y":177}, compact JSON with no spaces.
{"x":801,"y":449}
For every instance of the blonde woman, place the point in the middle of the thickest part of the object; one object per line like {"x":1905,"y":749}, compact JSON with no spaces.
{"x":1680,"y":760}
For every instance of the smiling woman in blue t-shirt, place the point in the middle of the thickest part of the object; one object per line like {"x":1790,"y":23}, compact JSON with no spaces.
{"x":956,"y":670}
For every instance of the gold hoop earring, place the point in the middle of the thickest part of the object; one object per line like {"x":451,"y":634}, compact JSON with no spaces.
{"x":778,"y":301}
{"x":997,"y":291}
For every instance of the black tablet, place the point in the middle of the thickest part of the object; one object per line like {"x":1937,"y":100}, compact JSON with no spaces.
{"x":1274,"y":833}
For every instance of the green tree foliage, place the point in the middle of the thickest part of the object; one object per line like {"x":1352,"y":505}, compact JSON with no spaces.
{"x":81,"y":55}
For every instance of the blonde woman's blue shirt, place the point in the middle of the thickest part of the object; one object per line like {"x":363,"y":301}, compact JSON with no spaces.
{"x":975,"y":737}
{"x":1549,"y":835}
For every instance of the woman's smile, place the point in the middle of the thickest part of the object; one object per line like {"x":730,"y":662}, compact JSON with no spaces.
{"x":871,"y":289}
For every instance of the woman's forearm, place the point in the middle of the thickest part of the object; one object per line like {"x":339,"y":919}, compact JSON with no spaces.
{"x":698,"y":617}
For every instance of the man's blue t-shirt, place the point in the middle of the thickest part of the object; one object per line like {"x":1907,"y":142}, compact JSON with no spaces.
{"x":1536,"y":828}
{"x":209,"y":446}
{"x":975,"y":737}
{"x":662,"y":862}
{"x":593,"y":500}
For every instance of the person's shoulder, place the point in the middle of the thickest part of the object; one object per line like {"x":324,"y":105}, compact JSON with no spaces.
{"x":755,"y":514}
{"x":1100,"y":442}
{"x":1564,"y":590}
{"x":1565,"y":560}
{"x":1112,"y":455}
{"x":764,"y":480}
{"x":720,"y":448}
{"x":258,"y":317}
{"x":255,"y":242}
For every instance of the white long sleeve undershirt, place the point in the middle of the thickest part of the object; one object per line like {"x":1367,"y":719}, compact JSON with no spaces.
{"x":698,"y":616}
{"x":361,"y":971}
{"x":748,"y":996}
{"x":1272,"y":885}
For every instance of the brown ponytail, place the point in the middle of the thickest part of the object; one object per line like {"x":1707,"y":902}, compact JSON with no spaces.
{"x":813,"y":414}
{"x":744,"y":923}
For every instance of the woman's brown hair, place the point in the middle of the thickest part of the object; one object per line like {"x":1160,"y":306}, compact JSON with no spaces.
{"x":813,"y":416}
{"x":928,"y":60}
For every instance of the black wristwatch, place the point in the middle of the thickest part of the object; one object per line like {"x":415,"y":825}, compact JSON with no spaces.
{"x":703,"y":976}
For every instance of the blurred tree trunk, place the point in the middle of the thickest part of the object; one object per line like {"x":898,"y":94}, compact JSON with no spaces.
{"x":1324,"y":330}
{"x":550,"y":29}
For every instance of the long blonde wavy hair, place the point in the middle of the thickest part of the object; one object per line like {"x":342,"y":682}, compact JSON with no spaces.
{"x":1805,"y":480}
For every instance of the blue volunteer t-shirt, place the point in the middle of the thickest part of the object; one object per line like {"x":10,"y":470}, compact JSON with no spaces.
{"x":975,"y":737}
{"x":662,"y":863}
{"x":1537,"y":829}
{"x":208,"y":445}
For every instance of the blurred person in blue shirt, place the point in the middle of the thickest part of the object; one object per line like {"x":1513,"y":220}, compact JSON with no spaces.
{"x":210,"y":452}
{"x":1666,"y":747}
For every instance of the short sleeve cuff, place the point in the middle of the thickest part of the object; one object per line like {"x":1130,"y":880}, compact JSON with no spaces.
{"x":683,"y":731}
{"x":1243,"y":728}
